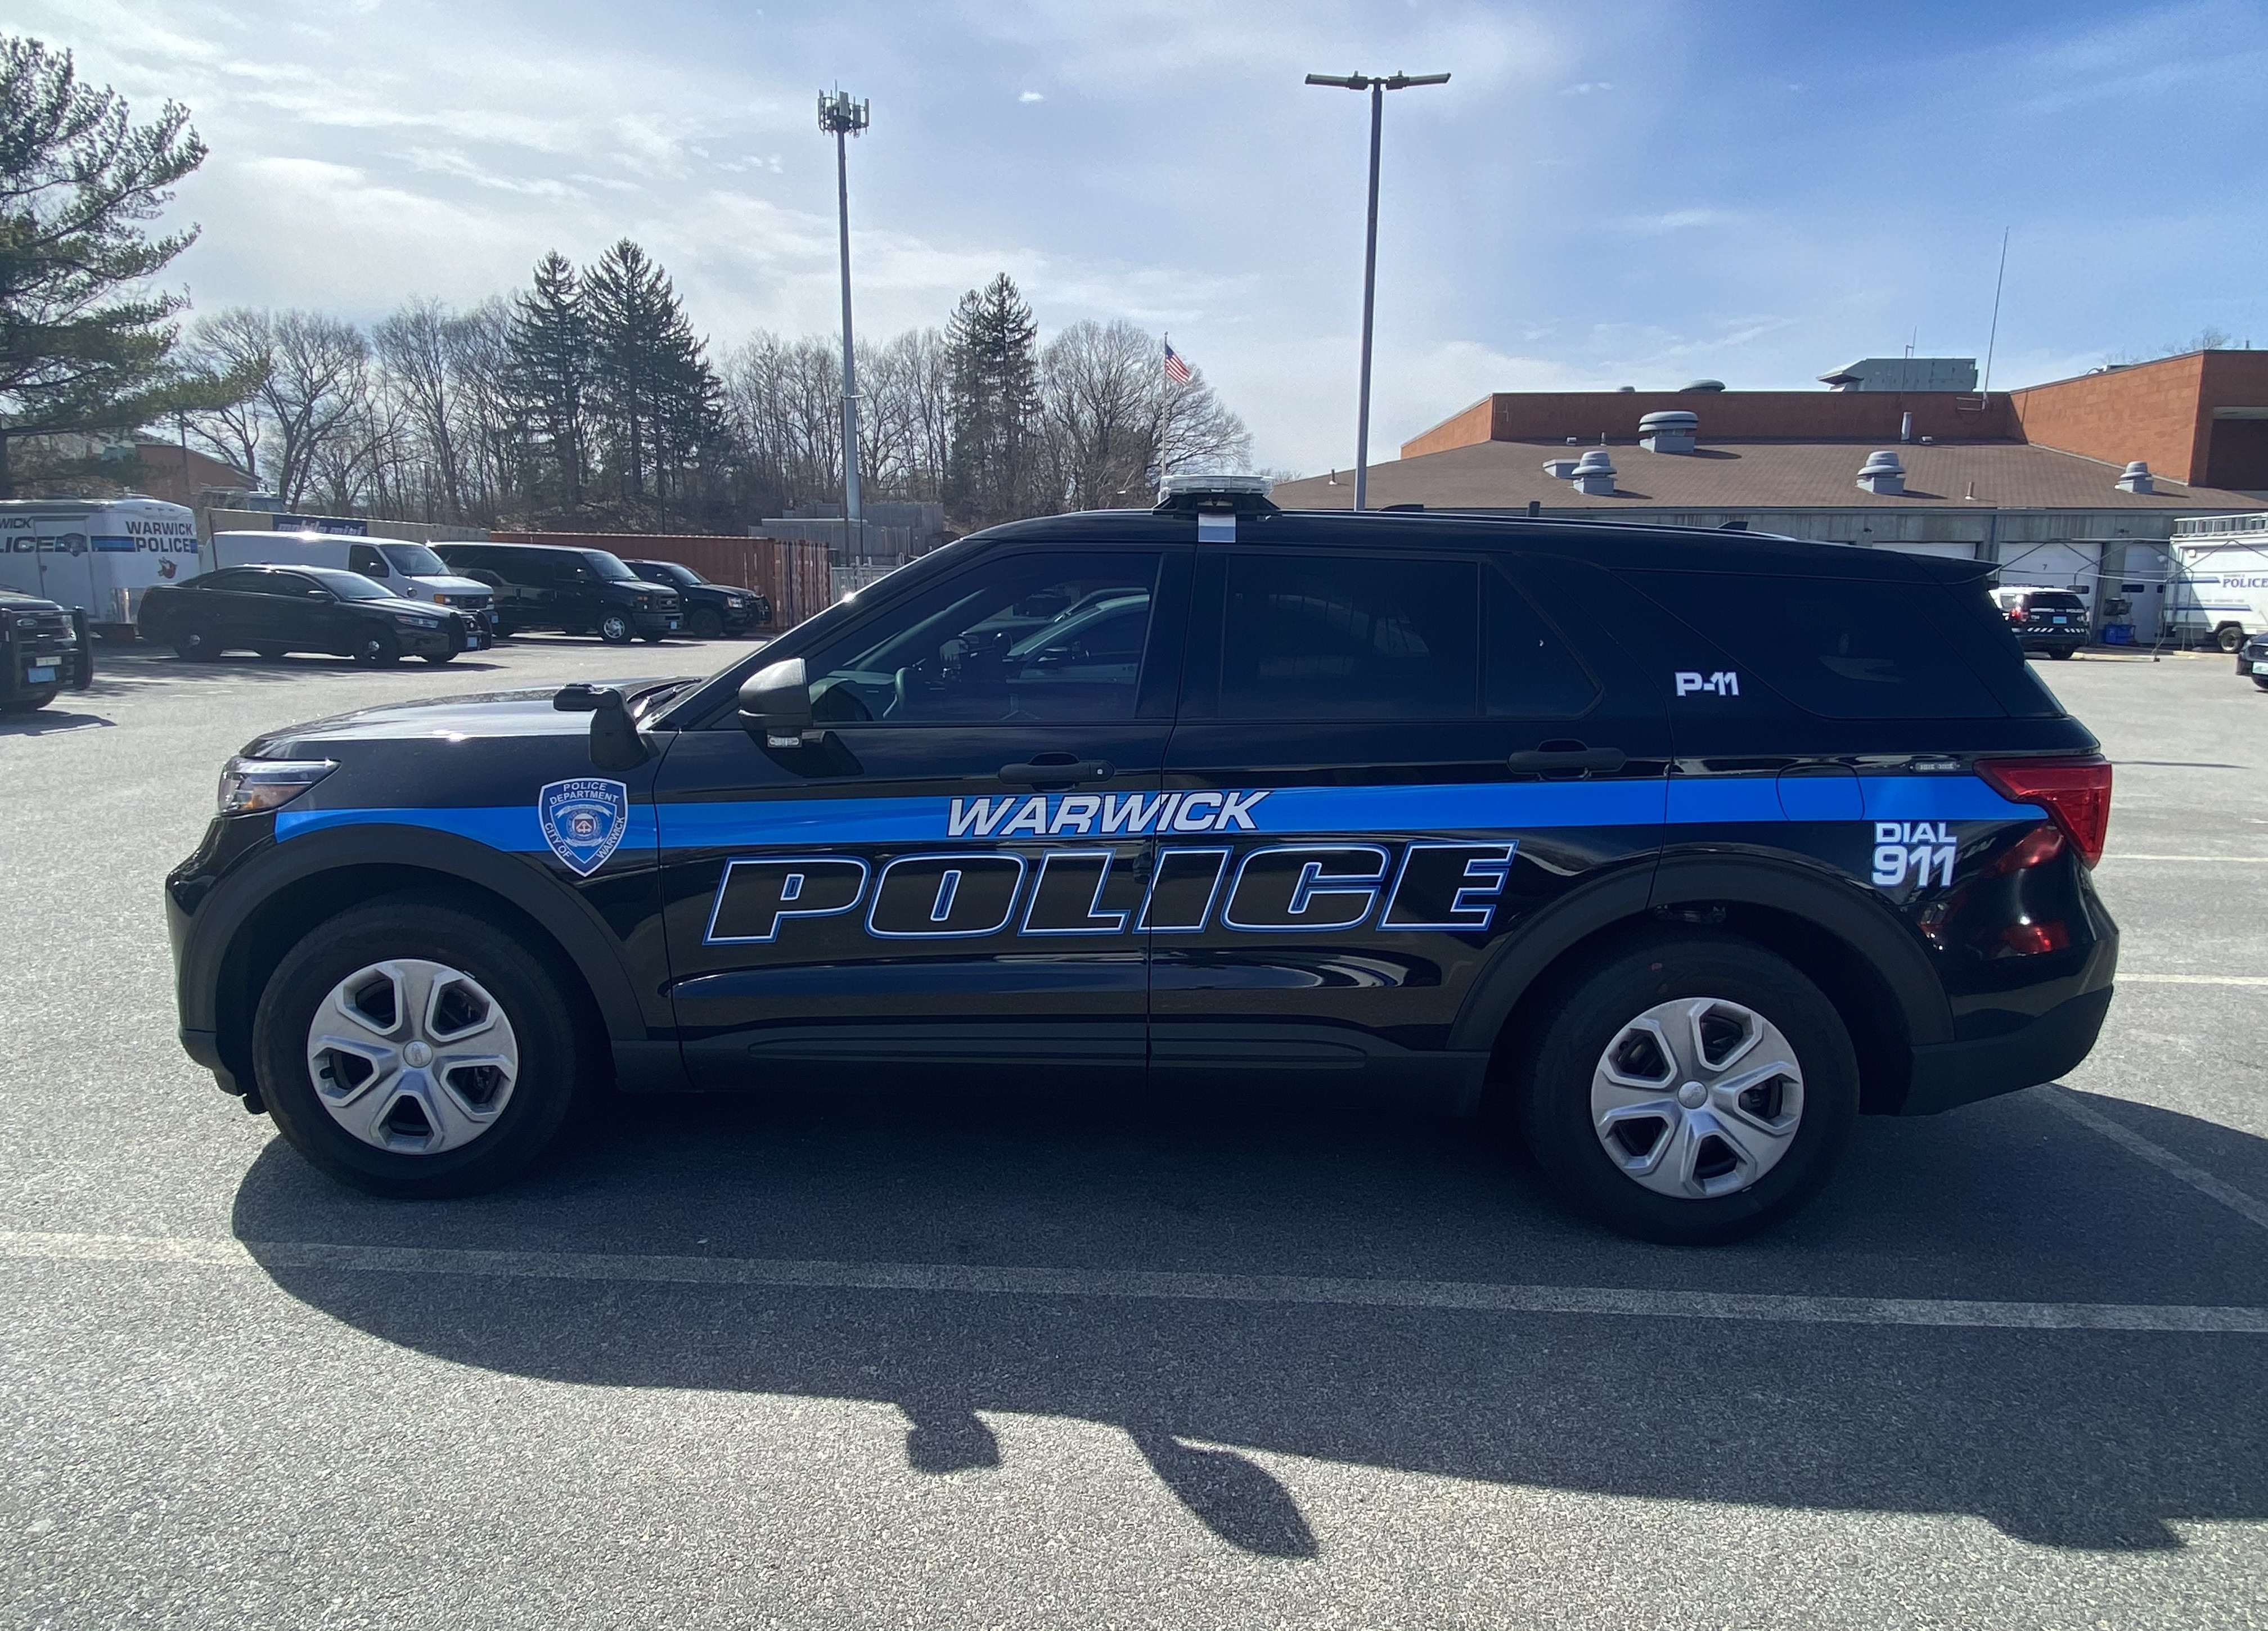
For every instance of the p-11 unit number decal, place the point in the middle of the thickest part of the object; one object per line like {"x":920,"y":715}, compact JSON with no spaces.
{"x":1922,"y":851}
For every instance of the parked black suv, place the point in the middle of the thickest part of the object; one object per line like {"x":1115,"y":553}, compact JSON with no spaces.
{"x":2252,"y":660}
{"x":2053,"y":620}
{"x":577,"y":592}
{"x":275,"y":609}
{"x":712,"y":610}
{"x":1682,"y":848}
{"x":44,"y":651}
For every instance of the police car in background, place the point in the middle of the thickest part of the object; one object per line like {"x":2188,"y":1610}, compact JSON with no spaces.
{"x":1684,"y":848}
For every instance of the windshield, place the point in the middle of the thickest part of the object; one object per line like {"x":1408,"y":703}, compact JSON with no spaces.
{"x":414,"y":560}
{"x":349,"y":586}
{"x":673,"y":573}
{"x":604,"y":565}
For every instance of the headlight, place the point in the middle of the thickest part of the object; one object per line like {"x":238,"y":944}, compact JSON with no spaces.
{"x":410,"y":619}
{"x":247,"y":785}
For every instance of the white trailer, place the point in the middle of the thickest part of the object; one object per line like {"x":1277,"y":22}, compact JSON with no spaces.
{"x":96,"y":556}
{"x":2219,"y":591}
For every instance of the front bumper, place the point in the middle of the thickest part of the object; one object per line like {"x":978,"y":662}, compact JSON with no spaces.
{"x":656,"y":622}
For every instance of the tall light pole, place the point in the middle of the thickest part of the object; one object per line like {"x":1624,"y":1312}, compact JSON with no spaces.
{"x":842,"y":118}
{"x":1378,"y":88}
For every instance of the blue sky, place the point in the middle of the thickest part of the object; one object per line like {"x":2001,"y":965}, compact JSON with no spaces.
{"x":1633,"y":195}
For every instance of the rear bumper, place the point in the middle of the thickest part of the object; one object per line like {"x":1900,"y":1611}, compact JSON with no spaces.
{"x":1949,"y":1074}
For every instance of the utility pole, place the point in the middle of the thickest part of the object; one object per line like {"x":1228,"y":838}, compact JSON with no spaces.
{"x":842,"y":118}
{"x":1378,"y":88}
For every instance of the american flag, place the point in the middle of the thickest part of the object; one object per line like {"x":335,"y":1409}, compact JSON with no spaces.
{"x":1176,"y":369}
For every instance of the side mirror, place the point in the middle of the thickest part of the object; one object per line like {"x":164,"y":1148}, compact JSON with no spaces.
{"x":775,"y":704}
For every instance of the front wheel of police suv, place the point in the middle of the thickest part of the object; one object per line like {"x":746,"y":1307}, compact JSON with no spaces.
{"x":1690,"y":1090}
{"x":409,"y":1050}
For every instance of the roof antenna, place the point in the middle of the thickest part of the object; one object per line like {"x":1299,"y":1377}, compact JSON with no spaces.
{"x":1992,"y":339}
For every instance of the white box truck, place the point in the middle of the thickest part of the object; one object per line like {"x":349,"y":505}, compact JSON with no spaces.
{"x":2219,"y":592}
{"x":96,"y":556}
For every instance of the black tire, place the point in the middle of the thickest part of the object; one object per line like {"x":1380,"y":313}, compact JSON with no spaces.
{"x":2062,"y":653}
{"x":380,"y":649}
{"x":195,"y":644}
{"x":2229,"y":638}
{"x":270,"y":653}
{"x":438,"y":658}
{"x":706,"y":623}
{"x":616,"y":629}
{"x":31,"y":702}
{"x":1553,"y":1094}
{"x":553,"y":1076}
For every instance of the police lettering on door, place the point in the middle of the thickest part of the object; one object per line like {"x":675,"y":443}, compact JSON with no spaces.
{"x":1039,"y":891}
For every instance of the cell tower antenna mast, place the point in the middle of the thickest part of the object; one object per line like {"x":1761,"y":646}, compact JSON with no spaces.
{"x":842,"y":118}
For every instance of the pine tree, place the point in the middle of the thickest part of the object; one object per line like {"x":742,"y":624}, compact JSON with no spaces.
{"x":77,"y":351}
{"x":992,"y":350}
{"x":551,"y":370}
{"x":652,"y":376}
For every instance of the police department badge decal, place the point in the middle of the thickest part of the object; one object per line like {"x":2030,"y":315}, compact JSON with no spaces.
{"x":582,"y":821}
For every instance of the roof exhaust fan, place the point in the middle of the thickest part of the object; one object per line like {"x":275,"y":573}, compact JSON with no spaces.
{"x":1883,"y":473}
{"x":1671,"y":431}
{"x":2136,"y":478}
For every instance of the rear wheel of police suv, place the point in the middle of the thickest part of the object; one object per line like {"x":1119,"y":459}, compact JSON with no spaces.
{"x":409,"y":1050}
{"x":1690,"y":1090}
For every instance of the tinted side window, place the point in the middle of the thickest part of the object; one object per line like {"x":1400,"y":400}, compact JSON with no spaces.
{"x":1531,"y":674}
{"x":1350,"y":637}
{"x":365,"y":558}
{"x":1046,"y":637}
{"x":1842,"y":648}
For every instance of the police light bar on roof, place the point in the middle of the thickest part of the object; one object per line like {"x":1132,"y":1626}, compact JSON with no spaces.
{"x":1189,"y":490}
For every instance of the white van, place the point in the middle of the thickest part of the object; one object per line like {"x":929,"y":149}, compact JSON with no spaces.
{"x":96,"y":556}
{"x":2219,"y":593}
{"x":411,"y":570}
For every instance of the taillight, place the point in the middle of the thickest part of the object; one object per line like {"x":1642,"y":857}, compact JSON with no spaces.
{"x":2015,"y":615}
{"x":2075,"y":791}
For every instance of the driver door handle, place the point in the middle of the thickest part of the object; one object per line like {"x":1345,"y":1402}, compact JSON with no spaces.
{"x":1065,"y":772}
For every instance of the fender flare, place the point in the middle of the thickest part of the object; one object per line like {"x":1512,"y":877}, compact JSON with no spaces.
{"x":562,"y":914}
{"x":1826,"y":899}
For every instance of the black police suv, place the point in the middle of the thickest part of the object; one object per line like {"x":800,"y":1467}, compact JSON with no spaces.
{"x":44,"y":651}
{"x":1684,"y":848}
{"x":712,"y":611}
{"x":2053,"y":620}
{"x":577,"y":592}
{"x":275,"y":609}
{"x":2252,"y":660}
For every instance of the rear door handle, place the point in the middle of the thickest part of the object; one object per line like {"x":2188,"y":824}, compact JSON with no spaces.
{"x":1572,"y":759}
{"x":1068,"y":773}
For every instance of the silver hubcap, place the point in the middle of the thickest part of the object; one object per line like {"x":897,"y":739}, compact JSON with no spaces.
{"x":412,"y":1056}
{"x":1697,"y":1097}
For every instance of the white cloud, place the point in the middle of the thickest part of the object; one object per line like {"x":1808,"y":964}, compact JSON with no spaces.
{"x":1031,"y":96}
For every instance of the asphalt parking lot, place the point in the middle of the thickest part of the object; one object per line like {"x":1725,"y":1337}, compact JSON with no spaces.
{"x":1036,"y":1361}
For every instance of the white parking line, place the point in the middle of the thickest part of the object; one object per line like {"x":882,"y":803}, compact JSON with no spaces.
{"x":2076,"y":1106}
{"x":2216,"y":860}
{"x":1459,"y":1295}
{"x":2192,"y":980}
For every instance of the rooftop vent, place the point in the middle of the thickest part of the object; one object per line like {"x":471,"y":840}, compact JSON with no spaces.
{"x":1671,"y":431}
{"x":1883,"y":473}
{"x":2135,"y":477}
{"x":1703,"y":385}
{"x":1560,"y":469}
{"x":1594,"y":473}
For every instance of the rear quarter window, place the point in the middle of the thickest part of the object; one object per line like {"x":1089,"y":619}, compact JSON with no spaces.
{"x":1839,"y":648}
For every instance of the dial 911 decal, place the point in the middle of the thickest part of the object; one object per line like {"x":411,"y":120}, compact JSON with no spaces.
{"x":1924,"y":851}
